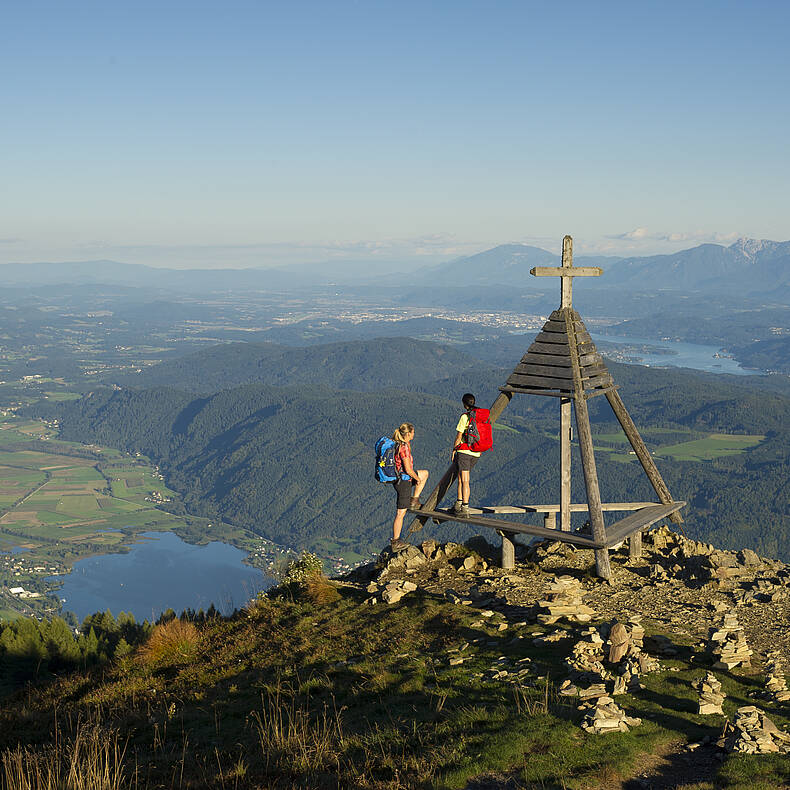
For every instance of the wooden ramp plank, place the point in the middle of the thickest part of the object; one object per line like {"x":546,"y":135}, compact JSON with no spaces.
{"x":639,"y":520}
{"x":509,"y":526}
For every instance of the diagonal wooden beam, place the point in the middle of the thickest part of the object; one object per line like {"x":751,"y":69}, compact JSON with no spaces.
{"x":438,"y":493}
{"x":602,"y":566}
{"x":642,"y":453}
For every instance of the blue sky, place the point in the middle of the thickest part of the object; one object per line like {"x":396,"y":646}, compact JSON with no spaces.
{"x":261,"y":133}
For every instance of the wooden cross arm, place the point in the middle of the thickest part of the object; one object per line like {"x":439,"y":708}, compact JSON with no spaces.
{"x":566,"y":271}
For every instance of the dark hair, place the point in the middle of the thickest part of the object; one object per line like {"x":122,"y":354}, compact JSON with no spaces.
{"x":468,"y":400}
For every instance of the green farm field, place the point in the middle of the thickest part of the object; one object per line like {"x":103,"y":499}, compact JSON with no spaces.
{"x":663,"y":442}
{"x":713,"y":446}
{"x":51,"y":497}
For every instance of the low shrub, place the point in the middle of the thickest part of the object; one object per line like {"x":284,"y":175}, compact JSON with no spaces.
{"x":172,"y":642}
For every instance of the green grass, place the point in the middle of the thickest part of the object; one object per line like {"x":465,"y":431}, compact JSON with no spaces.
{"x":500,"y":426}
{"x":62,"y":396}
{"x":349,"y":695}
{"x":78,"y":505}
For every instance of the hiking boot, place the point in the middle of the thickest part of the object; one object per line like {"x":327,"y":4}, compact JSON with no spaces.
{"x":460,"y":509}
{"x":396,"y":545}
{"x":415,"y":502}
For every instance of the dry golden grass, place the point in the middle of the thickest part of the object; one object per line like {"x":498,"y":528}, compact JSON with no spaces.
{"x":93,"y":759}
{"x":292,"y":738}
{"x":170,"y":643}
{"x":318,"y":589}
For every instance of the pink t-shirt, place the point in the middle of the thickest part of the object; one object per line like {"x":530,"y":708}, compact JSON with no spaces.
{"x":404,"y":452}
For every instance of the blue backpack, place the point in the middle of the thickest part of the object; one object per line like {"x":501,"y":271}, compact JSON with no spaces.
{"x":385,"y":460}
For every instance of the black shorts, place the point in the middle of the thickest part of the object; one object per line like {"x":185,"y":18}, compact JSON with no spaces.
{"x":403,"y":490}
{"x":465,"y":462}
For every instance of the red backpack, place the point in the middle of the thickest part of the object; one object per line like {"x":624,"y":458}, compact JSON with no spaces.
{"x":477,"y":436}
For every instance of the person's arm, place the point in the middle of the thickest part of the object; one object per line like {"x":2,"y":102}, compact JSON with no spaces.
{"x":459,"y":434}
{"x":409,"y":469}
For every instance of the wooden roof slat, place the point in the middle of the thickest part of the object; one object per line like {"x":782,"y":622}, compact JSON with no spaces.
{"x":553,"y":349}
{"x":545,"y":382}
{"x":559,"y":360}
{"x":560,"y":326}
{"x":558,"y":371}
{"x":528,"y":391}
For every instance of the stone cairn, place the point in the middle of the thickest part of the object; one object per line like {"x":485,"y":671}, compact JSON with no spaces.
{"x":587,"y":655}
{"x":619,"y":647}
{"x":775,"y":682}
{"x":606,"y":716}
{"x":752,"y":732}
{"x":728,"y":644}
{"x":710,"y":696}
{"x":563,"y":599}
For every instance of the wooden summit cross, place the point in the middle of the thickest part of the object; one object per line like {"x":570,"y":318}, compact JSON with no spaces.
{"x":563,"y":362}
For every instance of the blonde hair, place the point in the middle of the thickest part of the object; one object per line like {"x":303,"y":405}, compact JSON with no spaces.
{"x":402,"y":431}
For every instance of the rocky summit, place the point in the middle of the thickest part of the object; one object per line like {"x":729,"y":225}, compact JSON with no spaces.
{"x":725,"y":610}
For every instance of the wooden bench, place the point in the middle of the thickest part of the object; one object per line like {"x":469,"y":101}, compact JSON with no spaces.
{"x":645,"y":514}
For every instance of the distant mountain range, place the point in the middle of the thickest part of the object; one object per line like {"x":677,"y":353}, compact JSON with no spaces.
{"x":747,"y":267}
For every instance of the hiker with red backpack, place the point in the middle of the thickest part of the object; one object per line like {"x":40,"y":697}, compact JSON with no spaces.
{"x":472,"y":439}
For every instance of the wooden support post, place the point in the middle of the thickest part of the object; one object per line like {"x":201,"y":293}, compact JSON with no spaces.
{"x":587,"y":454}
{"x":642,"y":453}
{"x":565,"y":464}
{"x":550,"y":520}
{"x":438,"y":493}
{"x":635,"y":545}
{"x":508,"y":550}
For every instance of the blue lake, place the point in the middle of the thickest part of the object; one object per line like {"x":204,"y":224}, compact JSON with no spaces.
{"x":675,"y":354}
{"x":161,"y":571}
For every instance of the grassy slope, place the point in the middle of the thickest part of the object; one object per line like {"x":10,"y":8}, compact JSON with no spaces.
{"x":293,"y":694}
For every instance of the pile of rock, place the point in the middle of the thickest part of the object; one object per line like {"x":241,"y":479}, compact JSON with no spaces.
{"x":391,"y":592}
{"x":775,"y":682}
{"x":587,"y":655}
{"x":752,"y":732}
{"x":728,"y":644}
{"x":606,"y":716}
{"x":674,"y":554}
{"x":710,"y":696}
{"x":563,"y":599}
{"x":627,"y":682}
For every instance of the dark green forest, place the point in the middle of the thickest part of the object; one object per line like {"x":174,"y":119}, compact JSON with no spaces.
{"x":294,"y":463}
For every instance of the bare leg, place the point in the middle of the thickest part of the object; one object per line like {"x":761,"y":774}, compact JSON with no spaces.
{"x":418,"y":487}
{"x":397,"y":524}
{"x":463,"y":486}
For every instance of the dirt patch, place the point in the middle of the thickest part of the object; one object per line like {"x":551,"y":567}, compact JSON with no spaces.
{"x":31,"y":516}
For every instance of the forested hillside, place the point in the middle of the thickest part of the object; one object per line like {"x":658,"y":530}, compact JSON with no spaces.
{"x":295,"y":463}
{"x":360,"y":365}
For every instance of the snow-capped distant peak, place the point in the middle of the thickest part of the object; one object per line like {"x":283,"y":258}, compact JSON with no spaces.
{"x":750,"y":247}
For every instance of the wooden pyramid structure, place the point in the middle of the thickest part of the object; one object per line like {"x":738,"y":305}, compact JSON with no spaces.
{"x":563,"y":362}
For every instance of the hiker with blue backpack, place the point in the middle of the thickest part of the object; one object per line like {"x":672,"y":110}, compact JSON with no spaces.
{"x":472,"y":439}
{"x":394,"y":464}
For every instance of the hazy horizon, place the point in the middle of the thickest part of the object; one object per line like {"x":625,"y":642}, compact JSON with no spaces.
{"x":258,"y":135}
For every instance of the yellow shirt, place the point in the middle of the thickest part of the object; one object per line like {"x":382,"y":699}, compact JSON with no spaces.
{"x":461,"y":427}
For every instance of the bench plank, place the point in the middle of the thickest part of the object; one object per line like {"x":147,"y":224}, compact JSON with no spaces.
{"x":639,"y":520}
{"x":509,"y":526}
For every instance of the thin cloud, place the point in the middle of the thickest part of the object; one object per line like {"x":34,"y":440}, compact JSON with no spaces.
{"x":698,"y":236}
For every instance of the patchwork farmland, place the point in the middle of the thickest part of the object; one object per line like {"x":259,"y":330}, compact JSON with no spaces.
{"x":61,"y":501}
